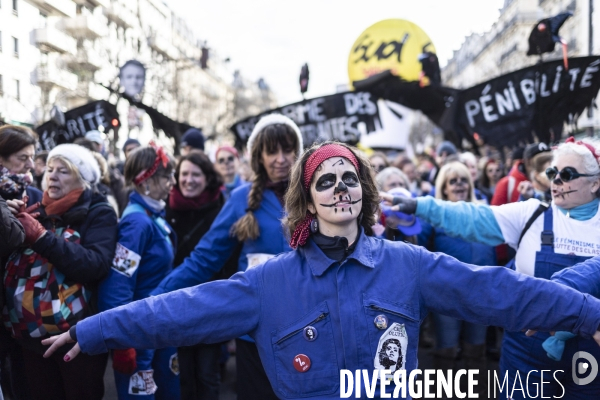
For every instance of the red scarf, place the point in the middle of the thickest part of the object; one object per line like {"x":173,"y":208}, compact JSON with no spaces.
{"x":62,"y":205}
{"x":179,"y":203}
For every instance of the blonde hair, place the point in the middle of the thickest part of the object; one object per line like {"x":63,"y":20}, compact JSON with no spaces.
{"x":453,"y":168}
{"x":70,"y":167}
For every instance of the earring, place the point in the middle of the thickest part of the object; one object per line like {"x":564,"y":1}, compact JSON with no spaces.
{"x":314,"y":226}
{"x":147,"y":193}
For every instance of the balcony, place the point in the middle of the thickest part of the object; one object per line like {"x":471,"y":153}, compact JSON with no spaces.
{"x":95,"y":3}
{"x":86,"y":26}
{"x":54,"y":40}
{"x":163,"y":46}
{"x":120,"y":14}
{"x":50,"y":76}
{"x":88,"y":61}
{"x":56,"y":8}
{"x":89,"y":91}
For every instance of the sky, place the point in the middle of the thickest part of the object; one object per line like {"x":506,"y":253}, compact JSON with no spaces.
{"x":273,"y":39}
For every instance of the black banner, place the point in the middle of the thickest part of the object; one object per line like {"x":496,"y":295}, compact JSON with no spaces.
{"x":334,"y":117}
{"x":78,"y":122}
{"x":535,"y":100}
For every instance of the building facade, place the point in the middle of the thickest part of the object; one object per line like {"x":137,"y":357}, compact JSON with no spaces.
{"x":503,"y":48}
{"x":66,"y":53}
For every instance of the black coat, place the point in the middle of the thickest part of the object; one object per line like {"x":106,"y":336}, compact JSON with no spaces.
{"x":89,"y":261}
{"x":190,"y":226}
{"x":12,"y":233}
{"x":12,"y":236}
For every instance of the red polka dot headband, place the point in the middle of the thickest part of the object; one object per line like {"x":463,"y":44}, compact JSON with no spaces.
{"x":161,"y":156}
{"x":302,"y":231}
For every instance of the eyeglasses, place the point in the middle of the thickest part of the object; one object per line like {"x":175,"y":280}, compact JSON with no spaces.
{"x":455,"y":181}
{"x":225,"y":160}
{"x":565,"y":175}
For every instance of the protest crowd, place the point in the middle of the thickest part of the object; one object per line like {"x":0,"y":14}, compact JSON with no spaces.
{"x":440,"y":249}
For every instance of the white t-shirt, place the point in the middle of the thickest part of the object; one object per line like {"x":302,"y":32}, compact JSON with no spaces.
{"x":581,"y":238}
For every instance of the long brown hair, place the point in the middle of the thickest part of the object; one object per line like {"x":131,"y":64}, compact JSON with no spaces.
{"x":269,"y":139}
{"x":297,"y":198}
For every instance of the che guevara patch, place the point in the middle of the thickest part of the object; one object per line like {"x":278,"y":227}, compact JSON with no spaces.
{"x":141,"y":383}
{"x":126,"y":262}
{"x":392,"y":348}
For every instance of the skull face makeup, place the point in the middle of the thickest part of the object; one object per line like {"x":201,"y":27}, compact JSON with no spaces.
{"x":336,"y":195}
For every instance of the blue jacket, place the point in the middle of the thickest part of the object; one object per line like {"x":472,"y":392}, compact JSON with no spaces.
{"x":275,"y":301}
{"x":217,"y":244}
{"x":143,"y":257}
{"x":462,"y":250}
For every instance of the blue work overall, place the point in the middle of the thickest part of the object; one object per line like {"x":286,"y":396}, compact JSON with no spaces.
{"x":524,"y":354}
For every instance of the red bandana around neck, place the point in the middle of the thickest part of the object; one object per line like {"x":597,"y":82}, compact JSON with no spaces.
{"x":302,"y":231}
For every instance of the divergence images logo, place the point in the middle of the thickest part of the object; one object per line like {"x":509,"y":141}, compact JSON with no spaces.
{"x":581,"y":368}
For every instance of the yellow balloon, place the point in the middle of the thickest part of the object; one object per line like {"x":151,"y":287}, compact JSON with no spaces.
{"x":393,"y":44}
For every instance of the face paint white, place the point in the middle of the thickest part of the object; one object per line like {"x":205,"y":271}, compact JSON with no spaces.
{"x":336,"y":196}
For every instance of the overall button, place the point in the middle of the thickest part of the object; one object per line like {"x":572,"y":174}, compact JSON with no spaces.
{"x":301,"y":363}
{"x":310,"y":333}
{"x":381,"y":322}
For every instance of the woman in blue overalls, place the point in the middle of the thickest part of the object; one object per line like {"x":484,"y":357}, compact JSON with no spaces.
{"x":547,"y":238}
{"x":143,"y":257}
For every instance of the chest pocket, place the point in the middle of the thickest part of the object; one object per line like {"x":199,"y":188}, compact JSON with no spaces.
{"x":393,"y":331}
{"x":317,"y":344}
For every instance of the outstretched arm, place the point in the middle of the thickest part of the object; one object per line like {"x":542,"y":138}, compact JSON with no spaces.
{"x":501,"y":297}
{"x":209,"y":313}
{"x":469,"y":221}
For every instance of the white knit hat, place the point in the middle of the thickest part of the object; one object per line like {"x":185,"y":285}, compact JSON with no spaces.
{"x":81,"y":157}
{"x":273,"y":119}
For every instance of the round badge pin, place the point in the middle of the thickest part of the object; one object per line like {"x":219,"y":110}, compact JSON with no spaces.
{"x":381,"y":322}
{"x":301,"y":363}
{"x":310,"y":333}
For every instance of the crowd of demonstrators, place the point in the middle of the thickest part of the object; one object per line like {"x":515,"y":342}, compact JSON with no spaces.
{"x":194,"y":221}
{"x":301,"y":306}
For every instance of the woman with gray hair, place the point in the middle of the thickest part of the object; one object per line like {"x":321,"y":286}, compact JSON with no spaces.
{"x":569,"y":234}
{"x":50,"y":283}
{"x":390,"y":178}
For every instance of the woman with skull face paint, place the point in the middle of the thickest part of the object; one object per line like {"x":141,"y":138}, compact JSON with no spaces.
{"x":352,"y":291}
{"x":569,"y":234}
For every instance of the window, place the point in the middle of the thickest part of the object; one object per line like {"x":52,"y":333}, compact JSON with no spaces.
{"x":15,"y":9}
{"x":1,"y":86}
{"x":17,"y":90}
{"x":16,"y":47}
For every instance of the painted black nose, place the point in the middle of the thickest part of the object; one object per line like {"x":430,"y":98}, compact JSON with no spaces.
{"x":341,"y":187}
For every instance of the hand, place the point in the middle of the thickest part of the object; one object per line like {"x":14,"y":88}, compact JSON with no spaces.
{"x":30,"y":210}
{"x":124,"y":361}
{"x":16,"y":206}
{"x":402,"y":204}
{"x":58,"y":341}
{"x":33,"y":229}
{"x":526,"y":189}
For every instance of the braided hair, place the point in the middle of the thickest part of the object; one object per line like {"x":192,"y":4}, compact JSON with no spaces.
{"x":268,"y":140}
